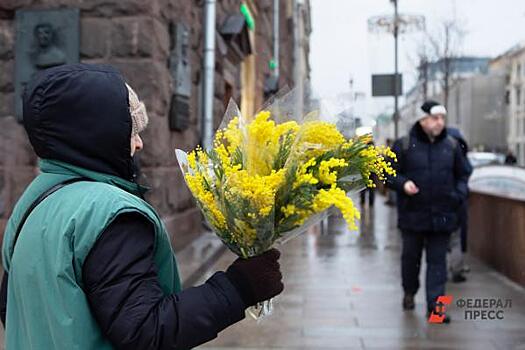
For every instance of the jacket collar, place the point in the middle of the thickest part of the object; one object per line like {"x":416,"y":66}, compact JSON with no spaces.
{"x":417,"y":131}
{"x":51,"y":166}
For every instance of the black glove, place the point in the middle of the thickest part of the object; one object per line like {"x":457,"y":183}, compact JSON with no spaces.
{"x":258,"y":278}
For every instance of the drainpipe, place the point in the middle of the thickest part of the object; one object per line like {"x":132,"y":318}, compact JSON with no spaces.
{"x":276,"y":40}
{"x":295,"y":50}
{"x":297,"y":56}
{"x":209,"y":73}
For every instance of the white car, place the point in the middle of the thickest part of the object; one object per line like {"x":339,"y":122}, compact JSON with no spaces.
{"x":478,"y":159}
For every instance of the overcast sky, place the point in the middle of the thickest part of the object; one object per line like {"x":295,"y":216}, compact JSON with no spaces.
{"x":342,"y":48}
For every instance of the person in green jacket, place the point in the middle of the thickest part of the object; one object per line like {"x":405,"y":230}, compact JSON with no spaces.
{"x":88,"y":262}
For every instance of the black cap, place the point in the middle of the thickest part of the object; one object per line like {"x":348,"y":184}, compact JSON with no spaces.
{"x":427,"y":106}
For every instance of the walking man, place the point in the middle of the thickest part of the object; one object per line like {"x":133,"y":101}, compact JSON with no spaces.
{"x":431,"y":184}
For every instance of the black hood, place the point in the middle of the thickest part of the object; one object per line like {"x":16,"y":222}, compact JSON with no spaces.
{"x":79,"y":114}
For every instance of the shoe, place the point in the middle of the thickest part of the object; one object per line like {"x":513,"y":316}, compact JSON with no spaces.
{"x":458,"y":278}
{"x":408,"y":302}
{"x":446,"y":319}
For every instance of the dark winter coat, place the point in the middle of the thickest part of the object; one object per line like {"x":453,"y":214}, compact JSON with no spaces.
{"x":440,"y":172}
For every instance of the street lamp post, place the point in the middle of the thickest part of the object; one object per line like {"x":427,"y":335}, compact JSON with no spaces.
{"x":396,"y":69}
{"x":398,"y":24}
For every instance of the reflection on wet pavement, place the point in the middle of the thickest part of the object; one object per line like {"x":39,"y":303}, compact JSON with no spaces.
{"x":343,"y":291}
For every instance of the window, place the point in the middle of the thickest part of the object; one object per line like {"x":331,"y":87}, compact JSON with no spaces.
{"x":518,"y":96}
{"x":518,"y":70}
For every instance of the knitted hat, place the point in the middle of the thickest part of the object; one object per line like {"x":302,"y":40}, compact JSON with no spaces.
{"x":137,"y":109}
{"x":433,"y":107}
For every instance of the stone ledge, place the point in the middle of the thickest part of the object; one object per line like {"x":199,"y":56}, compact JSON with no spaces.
{"x":183,"y":227}
{"x":198,"y":256}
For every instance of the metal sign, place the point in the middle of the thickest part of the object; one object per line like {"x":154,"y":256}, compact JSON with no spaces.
{"x":44,"y":39}
{"x":383,"y":85}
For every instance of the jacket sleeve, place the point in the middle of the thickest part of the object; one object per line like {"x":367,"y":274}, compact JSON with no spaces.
{"x":3,"y":298}
{"x":120,"y":281}
{"x":397,"y":182}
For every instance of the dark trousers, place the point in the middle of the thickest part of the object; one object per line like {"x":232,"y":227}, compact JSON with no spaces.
{"x":371,"y":196}
{"x":463,"y":225}
{"x":435,"y":244}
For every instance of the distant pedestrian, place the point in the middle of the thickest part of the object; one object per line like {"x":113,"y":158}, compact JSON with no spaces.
{"x":389,"y":193}
{"x":510,"y":158}
{"x":370,"y":191}
{"x":458,"y":239}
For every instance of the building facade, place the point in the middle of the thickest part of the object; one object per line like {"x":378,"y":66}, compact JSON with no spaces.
{"x":140,"y":38}
{"x":431,"y":75}
{"x":477,"y":102}
{"x":478,"y":108}
{"x":512,"y":65}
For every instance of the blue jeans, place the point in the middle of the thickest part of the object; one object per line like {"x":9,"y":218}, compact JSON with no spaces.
{"x":435,"y":244}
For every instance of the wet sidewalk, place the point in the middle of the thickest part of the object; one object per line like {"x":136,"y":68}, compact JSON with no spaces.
{"x":342,"y":291}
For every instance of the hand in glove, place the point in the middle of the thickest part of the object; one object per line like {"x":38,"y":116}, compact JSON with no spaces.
{"x":258,"y":278}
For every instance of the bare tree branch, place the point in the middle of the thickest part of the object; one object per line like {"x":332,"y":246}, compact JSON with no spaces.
{"x":442,"y":47}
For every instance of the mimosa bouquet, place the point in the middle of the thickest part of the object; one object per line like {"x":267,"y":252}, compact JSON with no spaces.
{"x":270,"y":176}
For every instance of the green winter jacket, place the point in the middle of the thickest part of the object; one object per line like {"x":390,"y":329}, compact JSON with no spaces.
{"x":46,"y":305}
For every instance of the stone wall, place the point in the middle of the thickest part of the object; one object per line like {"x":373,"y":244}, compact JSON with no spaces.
{"x":134,"y":36}
{"x":496,"y":233}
